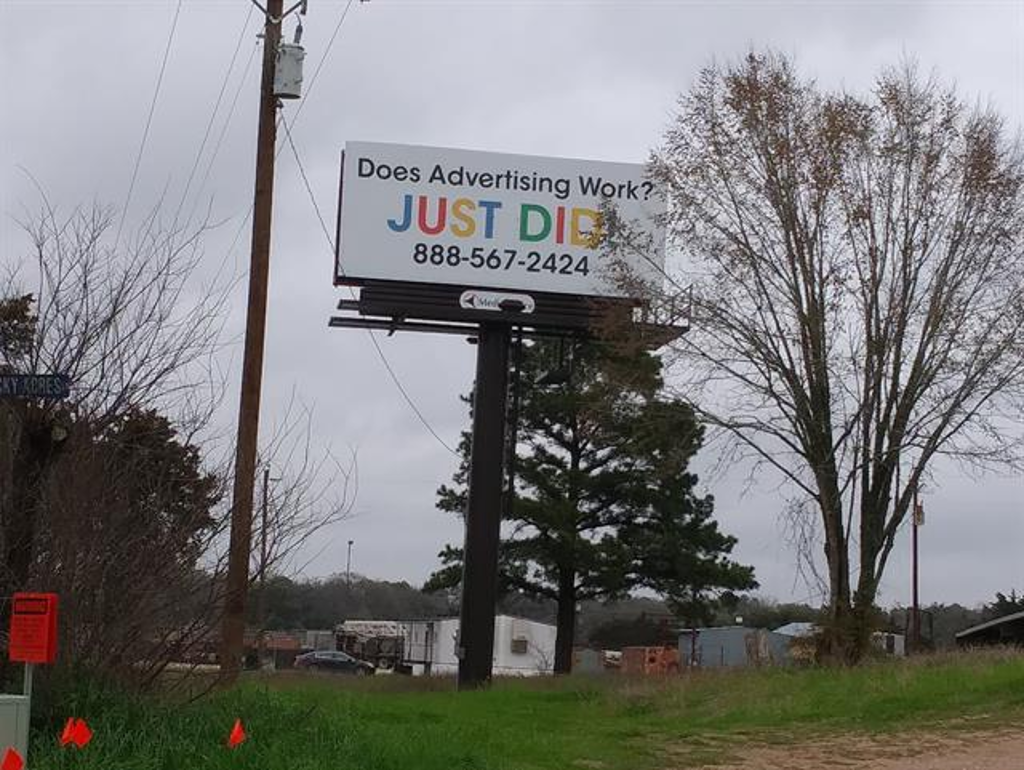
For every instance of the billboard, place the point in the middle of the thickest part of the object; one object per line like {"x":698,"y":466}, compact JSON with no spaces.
{"x":489,"y":220}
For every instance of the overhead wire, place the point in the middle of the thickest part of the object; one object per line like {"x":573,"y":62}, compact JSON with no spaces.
{"x":323,"y":59}
{"x":380,"y":352}
{"x":323,"y":225}
{"x":213,"y":114}
{"x":149,"y":122}
{"x":305,"y":180}
{"x":209,"y":167}
{"x":224,"y":128}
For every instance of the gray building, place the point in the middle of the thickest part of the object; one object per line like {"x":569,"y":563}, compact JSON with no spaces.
{"x":1008,"y":629}
{"x":726,"y":646}
{"x":884,"y":641}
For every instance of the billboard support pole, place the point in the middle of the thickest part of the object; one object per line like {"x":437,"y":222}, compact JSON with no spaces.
{"x":483,"y":515}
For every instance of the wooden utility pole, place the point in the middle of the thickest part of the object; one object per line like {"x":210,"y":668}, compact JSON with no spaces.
{"x":233,"y":632}
{"x":915,"y":628}
{"x":261,"y":645}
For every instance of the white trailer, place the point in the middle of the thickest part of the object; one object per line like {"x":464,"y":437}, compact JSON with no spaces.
{"x":521,"y":647}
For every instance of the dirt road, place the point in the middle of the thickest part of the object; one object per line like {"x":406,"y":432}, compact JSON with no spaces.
{"x":997,"y":750}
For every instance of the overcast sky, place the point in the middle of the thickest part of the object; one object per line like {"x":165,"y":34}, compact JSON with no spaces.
{"x":581,"y":79}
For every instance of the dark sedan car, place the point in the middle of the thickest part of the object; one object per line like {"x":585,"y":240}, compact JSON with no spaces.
{"x":336,"y":661}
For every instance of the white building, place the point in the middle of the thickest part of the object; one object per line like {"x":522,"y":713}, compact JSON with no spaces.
{"x":521,"y":647}
{"x":883,"y":641}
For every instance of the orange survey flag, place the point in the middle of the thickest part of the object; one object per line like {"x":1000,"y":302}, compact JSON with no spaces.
{"x":237,"y":734}
{"x":12,"y":760}
{"x":76,"y":731}
{"x":69,"y":728}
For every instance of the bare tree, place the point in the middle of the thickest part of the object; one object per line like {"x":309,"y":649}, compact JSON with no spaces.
{"x":307,"y":492}
{"x":110,"y":497}
{"x":128,"y":326}
{"x":857,"y":294}
{"x":82,"y":510}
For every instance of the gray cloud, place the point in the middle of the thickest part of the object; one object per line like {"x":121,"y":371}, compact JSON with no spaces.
{"x":595,"y":79}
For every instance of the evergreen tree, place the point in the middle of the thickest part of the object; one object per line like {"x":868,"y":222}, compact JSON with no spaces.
{"x":1005,"y":604}
{"x":603,"y":501}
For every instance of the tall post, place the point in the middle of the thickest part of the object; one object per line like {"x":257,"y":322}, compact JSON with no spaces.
{"x":483,"y":516}
{"x":915,"y":628}
{"x":348,"y":564}
{"x":233,"y":631}
{"x":12,"y":514}
{"x":261,"y":642}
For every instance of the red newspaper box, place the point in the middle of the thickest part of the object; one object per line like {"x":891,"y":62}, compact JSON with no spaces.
{"x":33,"y":628}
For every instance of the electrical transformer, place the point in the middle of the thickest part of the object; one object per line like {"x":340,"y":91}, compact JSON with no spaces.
{"x":288,"y":73}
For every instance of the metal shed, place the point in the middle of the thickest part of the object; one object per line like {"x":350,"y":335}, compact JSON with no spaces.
{"x":1008,"y":629}
{"x":726,"y":646}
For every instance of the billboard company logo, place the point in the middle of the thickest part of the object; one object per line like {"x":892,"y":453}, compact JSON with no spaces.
{"x":496,"y":301}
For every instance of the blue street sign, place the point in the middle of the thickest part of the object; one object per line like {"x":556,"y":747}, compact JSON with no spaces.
{"x":49,"y":386}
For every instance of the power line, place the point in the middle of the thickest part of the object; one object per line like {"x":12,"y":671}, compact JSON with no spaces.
{"x":298,"y":110}
{"x":305,"y":180}
{"x":213,"y":114}
{"x":405,"y":394}
{"x":244,"y":222}
{"x":224,"y":128}
{"x":149,"y":121}
{"x":380,"y":352}
{"x":320,"y":64}
{"x":326,"y":232}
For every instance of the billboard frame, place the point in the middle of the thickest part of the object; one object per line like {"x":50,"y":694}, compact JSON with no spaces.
{"x":436,"y":307}
{"x":583,"y":300}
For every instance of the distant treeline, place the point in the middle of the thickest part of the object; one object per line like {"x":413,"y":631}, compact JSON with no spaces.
{"x":323,"y":603}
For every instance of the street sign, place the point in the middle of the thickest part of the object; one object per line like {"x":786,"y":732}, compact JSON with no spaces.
{"x":497,"y":301}
{"x":437,"y":216}
{"x":48,"y":386}
{"x":33,"y":636}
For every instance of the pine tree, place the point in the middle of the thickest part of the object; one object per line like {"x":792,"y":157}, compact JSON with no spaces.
{"x":603,"y":502}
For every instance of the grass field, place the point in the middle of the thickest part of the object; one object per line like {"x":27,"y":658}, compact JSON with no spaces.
{"x":391,"y":723}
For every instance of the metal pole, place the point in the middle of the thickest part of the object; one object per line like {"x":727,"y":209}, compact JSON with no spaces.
{"x":11,"y":522}
{"x":916,"y":620}
{"x":27,"y":692}
{"x":483,"y":516}
{"x":348,"y":564}
{"x":233,"y":632}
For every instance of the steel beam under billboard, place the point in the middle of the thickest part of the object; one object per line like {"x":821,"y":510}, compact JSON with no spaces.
{"x":490,"y":220}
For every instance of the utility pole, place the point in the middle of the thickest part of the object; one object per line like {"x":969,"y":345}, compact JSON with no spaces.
{"x":261,"y":642}
{"x":348,"y":565}
{"x":915,"y":627}
{"x":233,"y":631}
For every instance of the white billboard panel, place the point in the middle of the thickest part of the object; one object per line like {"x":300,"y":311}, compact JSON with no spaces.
{"x":491,"y":220}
